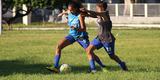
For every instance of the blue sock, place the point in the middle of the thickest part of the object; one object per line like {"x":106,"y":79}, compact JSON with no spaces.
{"x":99,"y":62}
{"x":56,"y":61}
{"x":120,"y":63}
{"x":92,"y":64}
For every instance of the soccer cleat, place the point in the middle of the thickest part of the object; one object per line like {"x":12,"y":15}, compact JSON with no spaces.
{"x":52,"y":69}
{"x":123,"y":66}
{"x":91,"y":71}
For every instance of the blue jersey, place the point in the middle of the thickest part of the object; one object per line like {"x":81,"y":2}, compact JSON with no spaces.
{"x":73,"y":21}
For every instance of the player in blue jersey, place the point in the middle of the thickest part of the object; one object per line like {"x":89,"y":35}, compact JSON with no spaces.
{"x":104,"y":38}
{"x":77,"y":33}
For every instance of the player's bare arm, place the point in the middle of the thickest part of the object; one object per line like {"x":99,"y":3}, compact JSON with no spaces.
{"x":82,"y":23}
{"x":63,"y":13}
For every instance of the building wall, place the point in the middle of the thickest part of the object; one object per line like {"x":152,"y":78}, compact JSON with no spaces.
{"x":151,"y":1}
{"x":136,"y":1}
{"x":145,"y":1}
{"x":91,"y":1}
{"x":117,"y":1}
{"x":122,"y":1}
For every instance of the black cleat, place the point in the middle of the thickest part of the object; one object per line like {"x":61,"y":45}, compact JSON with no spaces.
{"x":123,"y":66}
{"x":52,"y":69}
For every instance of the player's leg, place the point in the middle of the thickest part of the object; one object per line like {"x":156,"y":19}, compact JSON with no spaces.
{"x":89,"y":49}
{"x":97,"y":59}
{"x":90,"y":56}
{"x":90,"y":52}
{"x":122,"y":64}
{"x":109,"y":47}
{"x":63,"y":43}
{"x":97,"y":45}
{"x":85,"y":43}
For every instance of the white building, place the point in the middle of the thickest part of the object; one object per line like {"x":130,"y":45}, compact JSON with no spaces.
{"x":122,"y":1}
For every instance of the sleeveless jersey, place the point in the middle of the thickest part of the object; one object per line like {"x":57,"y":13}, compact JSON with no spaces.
{"x":104,"y":33}
{"x":73,"y":21}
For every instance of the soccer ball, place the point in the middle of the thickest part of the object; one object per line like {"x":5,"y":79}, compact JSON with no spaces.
{"x":65,"y":68}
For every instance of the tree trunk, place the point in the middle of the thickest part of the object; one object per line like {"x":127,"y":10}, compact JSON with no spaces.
{"x":18,"y":14}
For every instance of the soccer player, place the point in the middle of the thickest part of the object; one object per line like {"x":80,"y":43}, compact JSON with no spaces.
{"x":104,"y":38}
{"x":77,"y":33}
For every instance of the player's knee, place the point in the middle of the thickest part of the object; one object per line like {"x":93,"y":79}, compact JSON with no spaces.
{"x":88,"y":50}
{"x":58,"y":47}
{"x":58,"y":53}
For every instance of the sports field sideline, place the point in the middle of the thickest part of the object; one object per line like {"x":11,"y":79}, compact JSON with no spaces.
{"x":25,"y":54}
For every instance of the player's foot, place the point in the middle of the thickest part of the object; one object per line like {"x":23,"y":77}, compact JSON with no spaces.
{"x":91,"y":71}
{"x":123,"y":66}
{"x":52,"y":69}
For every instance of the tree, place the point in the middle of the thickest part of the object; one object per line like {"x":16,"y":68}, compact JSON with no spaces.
{"x":8,"y":5}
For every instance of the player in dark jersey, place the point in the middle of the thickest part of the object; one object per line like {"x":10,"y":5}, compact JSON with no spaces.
{"x":104,"y":38}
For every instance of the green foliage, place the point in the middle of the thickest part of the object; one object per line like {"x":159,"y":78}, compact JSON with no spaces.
{"x":8,"y":5}
{"x":35,"y":3}
{"x":30,"y":4}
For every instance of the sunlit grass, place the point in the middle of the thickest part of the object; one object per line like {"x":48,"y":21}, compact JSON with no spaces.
{"x":25,"y":54}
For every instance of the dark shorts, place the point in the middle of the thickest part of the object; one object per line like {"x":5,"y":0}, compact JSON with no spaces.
{"x":108,"y":46}
{"x":84,"y":42}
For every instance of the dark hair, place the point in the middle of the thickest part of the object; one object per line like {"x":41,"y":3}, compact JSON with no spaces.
{"x":74,"y":4}
{"x":102,"y":4}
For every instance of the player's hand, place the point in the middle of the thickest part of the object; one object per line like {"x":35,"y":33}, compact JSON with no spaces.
{"x":72,"y":27}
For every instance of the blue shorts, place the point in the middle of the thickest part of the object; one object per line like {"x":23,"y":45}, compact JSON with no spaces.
{"x":84,"y":42}
{"x":109,"y":47}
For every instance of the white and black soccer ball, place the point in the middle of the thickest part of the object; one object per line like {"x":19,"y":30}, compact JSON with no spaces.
{"x":65,"y":68}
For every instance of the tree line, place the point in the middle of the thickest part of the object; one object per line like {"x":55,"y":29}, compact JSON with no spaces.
{"x":8,"y":5}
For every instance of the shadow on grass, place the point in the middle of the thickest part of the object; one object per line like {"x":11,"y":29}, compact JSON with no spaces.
{"x":83,"y":68}
{"x":9,"y":67}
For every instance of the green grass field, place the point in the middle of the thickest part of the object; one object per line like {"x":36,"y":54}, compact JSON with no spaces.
{"x":25,"y":54}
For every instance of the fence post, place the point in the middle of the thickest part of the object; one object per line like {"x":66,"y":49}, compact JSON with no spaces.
{"x":131,"y":10}
{"x":145,"y":10}
{"x":0,"y":17}
{"x":27,"y":18}
{"x":89,"y":6}
{"x":116,"y":10}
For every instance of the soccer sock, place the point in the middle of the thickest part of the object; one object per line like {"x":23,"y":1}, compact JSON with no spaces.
{"x":92,"y":64}
{"x":56,"y":61}
{"x":99,"y":62}
{"x":121,"y":62}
